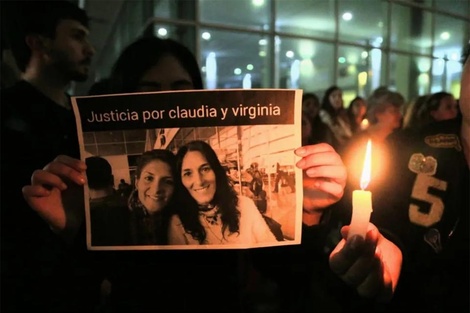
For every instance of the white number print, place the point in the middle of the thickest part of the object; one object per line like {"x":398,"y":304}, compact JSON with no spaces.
{"x":420,"y":192}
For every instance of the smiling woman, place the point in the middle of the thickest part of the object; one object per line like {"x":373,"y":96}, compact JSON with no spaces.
{"x":209,"y":210}
{"x":151,"y":199}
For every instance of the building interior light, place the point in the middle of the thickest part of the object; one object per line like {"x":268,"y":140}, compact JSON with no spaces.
{"x":347,"y":16}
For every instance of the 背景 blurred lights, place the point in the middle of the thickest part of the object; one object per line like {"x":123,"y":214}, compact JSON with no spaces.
{"x":206,"y":35}
{"x":237,"y":71}
{"x":246,"y":81}
{"x":295,"y":74}
{"x":377,"y":42}
{"x":306,"y":68}
{"x":162,"y":32}
{"x":445,"y":35}
{"x":211,"y":71}
{"x":362,"y":79}
{"x":423,"y":78}
{"x":249,"y":67}
{"x":290,"y":54}
{"x":306,"y":49}
{"x":347,"y":16}
{"x":423,"y":65}
{"x":455,"y":56}
{"x":438,"y":67}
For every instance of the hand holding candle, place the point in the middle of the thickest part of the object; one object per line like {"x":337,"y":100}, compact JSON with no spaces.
{"x":362,"y":200}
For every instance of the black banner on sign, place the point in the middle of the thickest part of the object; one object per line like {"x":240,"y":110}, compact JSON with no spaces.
{"x":186,"y":109}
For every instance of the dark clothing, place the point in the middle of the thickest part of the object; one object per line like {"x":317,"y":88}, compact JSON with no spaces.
{"x":174,"y":281}
{"x":149,"y":229}
{"x":298,"y":279}
{"x":35,"y":262}
{"x":41,"y":273}
{"x":425,"y":204}
{"x":124,"y":190}
{"x":109,"y":220}
{"x":322,"y":133}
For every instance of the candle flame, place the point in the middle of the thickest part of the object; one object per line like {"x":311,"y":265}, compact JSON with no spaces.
{"x":365,"y":177}
{"x":364,"y":124}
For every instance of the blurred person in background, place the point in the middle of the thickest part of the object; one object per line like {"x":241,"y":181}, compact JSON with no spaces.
{"x":384,"y":116}
{"x":334,"y":115}
{"x":438,"y":106}
{"x":411,"y":118}
{"x":357,"y":113}
{"x":318,"y":131}
{"x":49,"y":42}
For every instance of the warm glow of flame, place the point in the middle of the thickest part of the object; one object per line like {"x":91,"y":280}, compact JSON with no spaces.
{"x":365,"y":177}
{"x":364,"y":124}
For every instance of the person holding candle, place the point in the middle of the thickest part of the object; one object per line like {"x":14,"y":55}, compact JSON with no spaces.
{"x":384,"y":116}
{"x":424,"y":205}
{"x":323,"y":185}
{"x":134,"y":274}
{"x":323,"y":274}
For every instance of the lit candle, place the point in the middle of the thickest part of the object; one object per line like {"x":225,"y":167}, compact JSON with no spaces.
{"x":364,"y":124}
{"x":362,"y":200}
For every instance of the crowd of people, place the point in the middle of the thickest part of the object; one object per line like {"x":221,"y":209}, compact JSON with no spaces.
{"x":414,"y":256}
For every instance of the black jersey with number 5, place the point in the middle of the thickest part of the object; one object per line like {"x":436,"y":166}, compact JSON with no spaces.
{"x":423,"y":202}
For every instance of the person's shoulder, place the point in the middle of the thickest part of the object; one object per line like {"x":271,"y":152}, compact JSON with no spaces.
{"x":175,"y":220}
{"x":245,"y":203}
{"x":18,"y":89}
{"x":19,"y":97}
{"x":403,"y":136}
{"x":244,"y":199}
{"x":451,"y":126}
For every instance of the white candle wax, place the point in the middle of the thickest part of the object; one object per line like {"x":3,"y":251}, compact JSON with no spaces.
{"x":362,"y":207}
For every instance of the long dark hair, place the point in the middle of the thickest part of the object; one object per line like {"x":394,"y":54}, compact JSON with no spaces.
{"x":327,"y":106}
{"x":350,"y":112}
{"x":143,"y":54}
{"x":225,"y":197}
{"x":145,"y":228}
{"x":431,"y":103}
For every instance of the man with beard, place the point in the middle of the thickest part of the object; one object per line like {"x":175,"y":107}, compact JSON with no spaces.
{"x":49,"y":40}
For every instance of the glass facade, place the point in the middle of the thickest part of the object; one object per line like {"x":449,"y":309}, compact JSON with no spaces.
{"x":412,"y":46}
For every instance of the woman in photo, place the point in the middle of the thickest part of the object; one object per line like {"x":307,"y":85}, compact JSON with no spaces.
{"x":210,"y":211}
{"x":150,"y":201}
